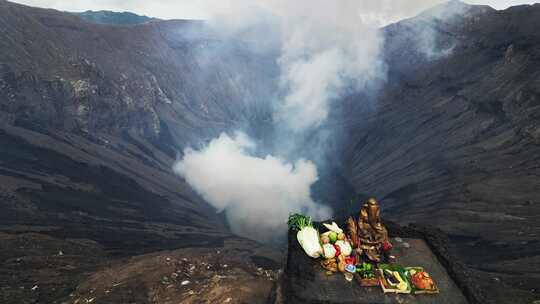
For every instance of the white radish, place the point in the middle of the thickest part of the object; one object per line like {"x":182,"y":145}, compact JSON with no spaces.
{"x":307,"y":236}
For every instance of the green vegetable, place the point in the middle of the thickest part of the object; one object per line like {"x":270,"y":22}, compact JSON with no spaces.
{"x":298,"y":221}
{"x":307,"y":236}
{"x":333,"y":237}
{"x":392,"y":267}
{"x":365,"y":270}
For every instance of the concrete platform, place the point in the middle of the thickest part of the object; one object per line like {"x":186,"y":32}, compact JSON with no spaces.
{"x":308,"y":283}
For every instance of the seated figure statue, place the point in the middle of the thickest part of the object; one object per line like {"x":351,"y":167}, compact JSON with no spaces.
{"x":368,"y":236}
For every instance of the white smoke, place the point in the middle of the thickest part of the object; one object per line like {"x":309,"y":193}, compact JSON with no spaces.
{"x":327,"y":49}
{"x":424,"y":32}
{"x":257,"y":194}
{"x":318,"y":61}
{"x":326,"y":46}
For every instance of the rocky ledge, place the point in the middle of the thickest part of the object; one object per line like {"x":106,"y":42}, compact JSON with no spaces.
{"x":429,"y":245}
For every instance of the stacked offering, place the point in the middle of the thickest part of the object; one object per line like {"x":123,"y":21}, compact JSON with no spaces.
{"x":362,"y":253}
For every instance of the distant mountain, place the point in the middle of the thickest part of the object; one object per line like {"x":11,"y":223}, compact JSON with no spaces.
{"x":118,"y":18}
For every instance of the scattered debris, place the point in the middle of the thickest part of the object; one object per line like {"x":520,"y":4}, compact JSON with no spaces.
{"x":202,"y":277}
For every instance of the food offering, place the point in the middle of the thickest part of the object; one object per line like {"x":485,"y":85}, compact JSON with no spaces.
{"x":330,"y":265}
{"x":336,"y":250}
{"x":361,"y":252}
{"x":421,"y":281}
{"x":367,"y":275}
{"x":393,"y":279}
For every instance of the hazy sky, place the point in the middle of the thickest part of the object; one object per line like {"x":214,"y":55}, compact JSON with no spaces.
{"x":202,"y":9}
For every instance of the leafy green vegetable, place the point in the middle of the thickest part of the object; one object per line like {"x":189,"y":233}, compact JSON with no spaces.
{"x":298,"y":221}
{"x":392,"y":267}
{"x":365,"y":270}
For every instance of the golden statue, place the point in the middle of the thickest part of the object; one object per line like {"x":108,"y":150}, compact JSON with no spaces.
{"x":368,"y":236}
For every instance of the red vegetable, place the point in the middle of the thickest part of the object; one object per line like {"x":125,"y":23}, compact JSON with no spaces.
{"x":350,"y":260}
{"x":338,"y":250}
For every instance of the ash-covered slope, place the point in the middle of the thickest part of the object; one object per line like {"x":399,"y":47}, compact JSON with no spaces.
{"x":455,"y":139}
{"x":126,"y":77}
{"x":93,"y":116}
{"x":91,"y":120}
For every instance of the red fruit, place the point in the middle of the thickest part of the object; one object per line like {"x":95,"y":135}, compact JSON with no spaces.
{"x":387,"y":246}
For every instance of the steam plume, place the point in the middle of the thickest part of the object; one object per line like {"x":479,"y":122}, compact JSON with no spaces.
{"x":326,"y":48}
{"x":256,"y":193}
{"x":315,"y":71}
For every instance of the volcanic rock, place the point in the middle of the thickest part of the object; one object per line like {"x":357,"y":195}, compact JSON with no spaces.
{"x":305,"y":281}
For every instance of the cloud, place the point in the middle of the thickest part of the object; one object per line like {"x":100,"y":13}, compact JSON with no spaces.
{"x":385,"y":11}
